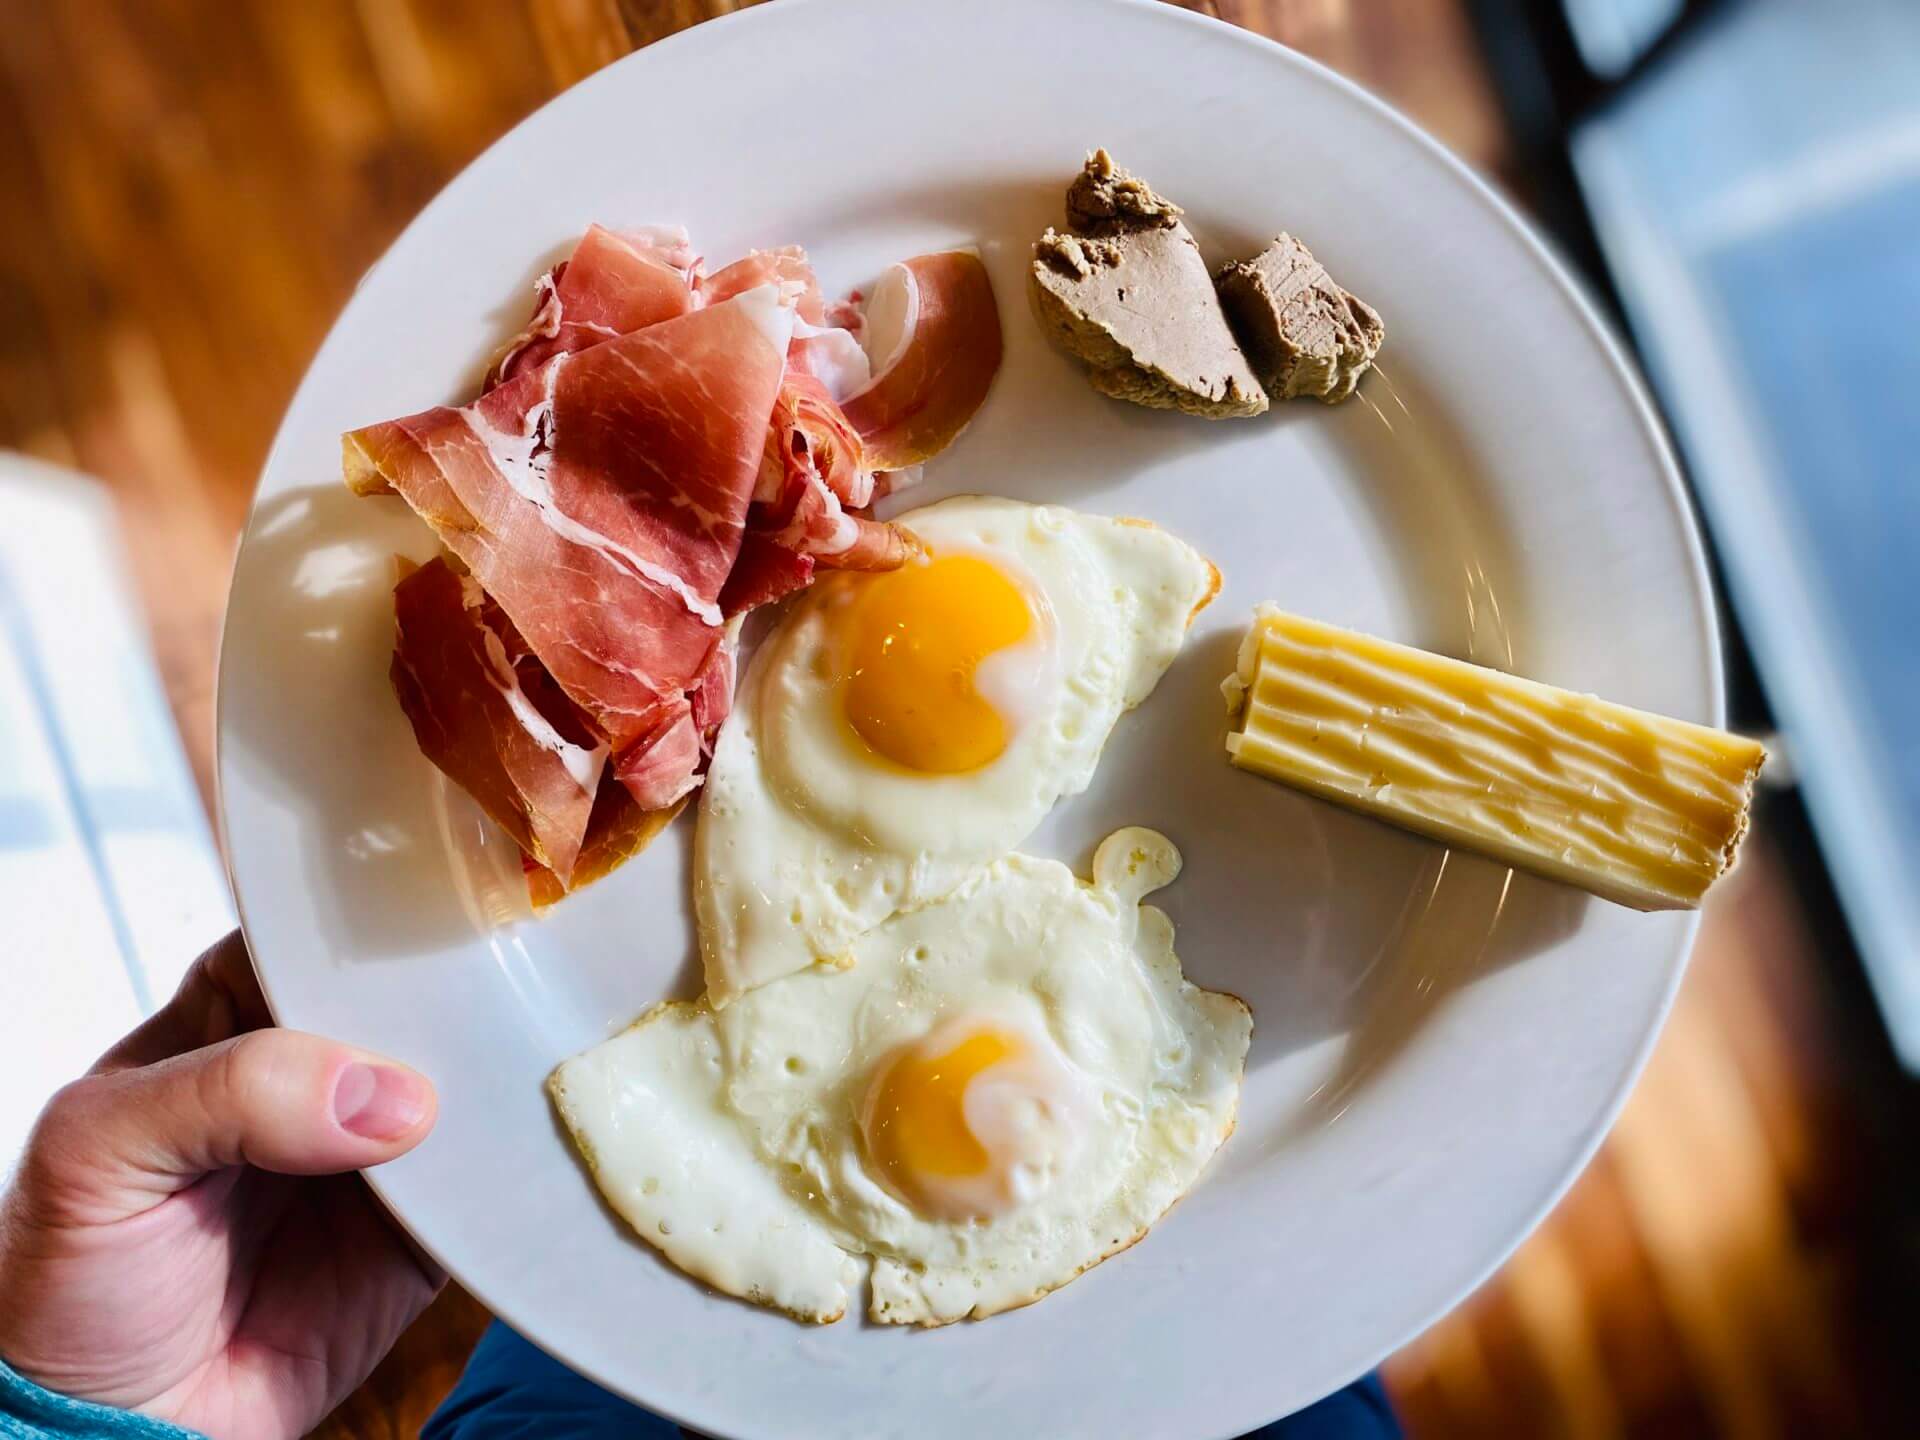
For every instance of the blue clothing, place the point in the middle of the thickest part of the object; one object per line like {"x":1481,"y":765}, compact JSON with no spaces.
{"x":29,"y":1413}
{"x":513,"y":1390}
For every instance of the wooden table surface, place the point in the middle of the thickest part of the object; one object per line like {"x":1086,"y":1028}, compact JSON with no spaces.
{"x":192,"y":188}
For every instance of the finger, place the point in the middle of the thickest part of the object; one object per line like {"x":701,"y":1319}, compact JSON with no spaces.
{"x":218,"y":998}
{"x":281,"y":1100}
{"x":229,"y":967}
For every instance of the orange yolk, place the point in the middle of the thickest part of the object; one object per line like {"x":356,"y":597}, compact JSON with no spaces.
{"x":916,"y":1122}
{"x":916,"y":636}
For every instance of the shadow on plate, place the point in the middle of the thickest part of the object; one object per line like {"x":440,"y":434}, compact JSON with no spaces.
{"x":1422,"y":490}
{"x":1335,"y":925}
{"x":598,"y":931}
{"x":315,"y":717}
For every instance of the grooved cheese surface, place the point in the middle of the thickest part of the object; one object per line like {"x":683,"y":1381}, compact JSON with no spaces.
{"x":1637,"y":808}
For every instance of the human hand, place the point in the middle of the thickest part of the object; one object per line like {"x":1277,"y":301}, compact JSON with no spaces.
{"x":179,"y":1237}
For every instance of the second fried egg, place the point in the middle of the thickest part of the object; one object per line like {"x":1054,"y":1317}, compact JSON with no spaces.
{"x":1008,"y":1086}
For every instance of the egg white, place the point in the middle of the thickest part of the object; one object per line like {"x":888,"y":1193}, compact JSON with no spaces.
{"x":730,"y":1140}
{"x":805,"y":843}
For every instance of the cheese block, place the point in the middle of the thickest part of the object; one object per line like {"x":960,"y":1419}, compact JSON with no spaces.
{"x":1636,"y":808}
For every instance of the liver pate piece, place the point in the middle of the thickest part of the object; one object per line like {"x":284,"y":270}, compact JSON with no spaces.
{"x":1129,"y":294}
{"x":1304,"y":334}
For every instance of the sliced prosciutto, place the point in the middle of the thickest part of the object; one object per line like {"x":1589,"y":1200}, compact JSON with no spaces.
{"x":811,"y":481}
{"x":601,"y":500}
{"x":659,"y":452}
{"x":814,"y":468}
{"x":617,"y":830}
{"x":765,"y":571}
{"x":810,"y":430}
{"x":786,"y":266}
{"x":615,"y":282}
{"x":932,"y":334}
{"x":826,"y":344}
{"x":618,"y":282}
{"x":814,"y":472}
{"x":490,"y":716}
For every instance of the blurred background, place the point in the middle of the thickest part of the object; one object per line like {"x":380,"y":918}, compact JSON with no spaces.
{"x":190,"y":189}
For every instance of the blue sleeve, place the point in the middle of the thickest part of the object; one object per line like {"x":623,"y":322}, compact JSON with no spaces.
{"x":512,"y":1390}
{"x":29,"y":1413}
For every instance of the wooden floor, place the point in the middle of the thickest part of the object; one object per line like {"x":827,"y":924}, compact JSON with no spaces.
{"x":191,"y":188}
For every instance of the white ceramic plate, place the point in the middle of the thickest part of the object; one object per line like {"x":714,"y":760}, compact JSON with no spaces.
{"x":1438,"y":1046}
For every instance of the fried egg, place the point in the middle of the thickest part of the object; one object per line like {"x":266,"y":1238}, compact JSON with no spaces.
{"x":1006,"y":1087}
{"x":899,"y":730}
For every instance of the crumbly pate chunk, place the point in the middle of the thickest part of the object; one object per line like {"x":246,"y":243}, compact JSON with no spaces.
{"x":1304,"y":334}
{"x":1125,"y":290}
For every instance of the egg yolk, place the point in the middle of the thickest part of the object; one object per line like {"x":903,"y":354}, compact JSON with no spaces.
{"x":916,"y":1125}
{"x":916,"y":638}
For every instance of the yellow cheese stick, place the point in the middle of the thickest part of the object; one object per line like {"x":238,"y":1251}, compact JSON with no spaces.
{"x":1634,"y":807}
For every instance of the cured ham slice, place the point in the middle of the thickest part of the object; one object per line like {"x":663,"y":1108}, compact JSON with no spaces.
{"x":764,"y":572}
{"x":809,"y":432}
{"x":823,"y":362}
{"x":786,"y":266}
{"x":657,"y":453}
{"x":810,"y":522}
{"x":932,"y":334}
{"x":615,"y":282}
{"x":618,"y":830}
{"x":486,"y":712}
{"x":813,"y":471}
{"x":824,"y":346}
{"x":490,"y":716}
{"x":710,"y":697}
{"x":601,"y":500}
{"x":811,"y":478}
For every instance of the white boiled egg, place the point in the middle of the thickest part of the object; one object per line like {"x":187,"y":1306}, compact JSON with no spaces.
{"x":1006,"y":1087}
{"x":898,"y":730}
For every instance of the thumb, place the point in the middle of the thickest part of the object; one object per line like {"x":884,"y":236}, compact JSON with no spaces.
{"x":279,"y":1100}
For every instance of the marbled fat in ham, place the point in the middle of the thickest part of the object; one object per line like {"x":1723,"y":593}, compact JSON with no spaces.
{"x":601,"y":500}
{"x":617,"y":830}
{"x":786,"y":266}
{"x":614,"y":282}
{"x":657,"y":453}
{"x":491,"y":717}
{"x":944,"y":346}
{"x":617,"y":282}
